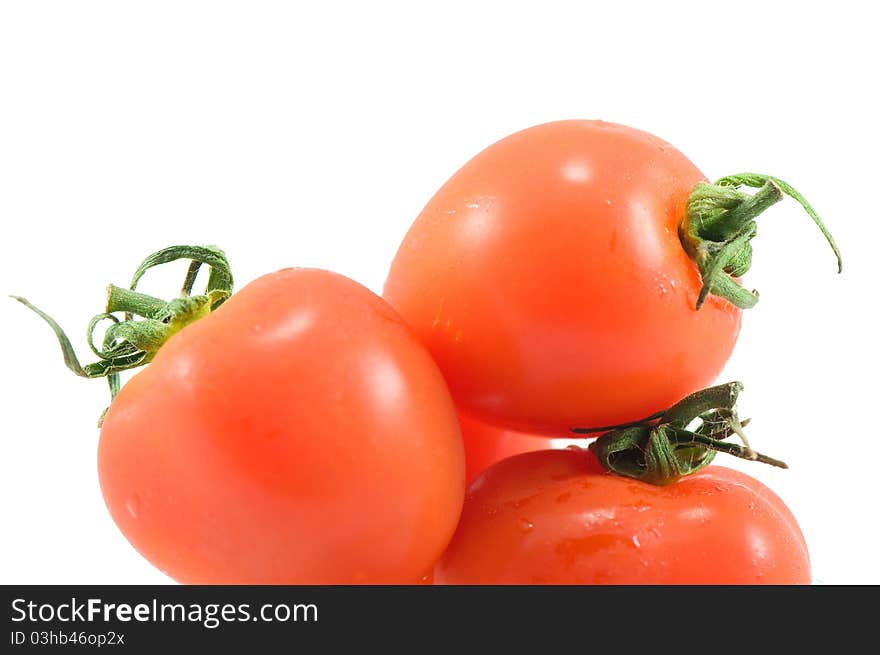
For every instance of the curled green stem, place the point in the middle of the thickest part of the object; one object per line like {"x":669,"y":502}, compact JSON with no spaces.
{"x":678,"y":441}
{"x":147,"y":322}
{"x":720,"y":223}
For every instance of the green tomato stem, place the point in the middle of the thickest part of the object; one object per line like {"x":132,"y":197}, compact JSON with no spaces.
{"x":665,"y":446}
{"x":719,"y":225}
{"x":129,"y":343}
{"x":124,"y":300}
{"x":733,"y":221}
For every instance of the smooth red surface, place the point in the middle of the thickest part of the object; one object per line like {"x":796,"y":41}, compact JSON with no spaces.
{"x":547,"y":279}
{"x":299,"y":434}
{"x":485,"y":444}
{"x":554,"y":517}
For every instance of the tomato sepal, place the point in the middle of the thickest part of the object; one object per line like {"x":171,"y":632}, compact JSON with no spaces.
{"x":129,"y":343}
{"x":719,"y":225}
{"x":665,"y":446}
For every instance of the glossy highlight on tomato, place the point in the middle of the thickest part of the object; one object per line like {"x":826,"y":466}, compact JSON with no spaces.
{"x":299,"y":434}
{"x":555,"y":517}
{"x":548,"y":280}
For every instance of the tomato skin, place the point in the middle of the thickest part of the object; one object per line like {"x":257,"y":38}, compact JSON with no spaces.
{"x":554,"y":517}
{"x":300,"y":434}
{"x":548,"y":280}
{"x":485,"y":444}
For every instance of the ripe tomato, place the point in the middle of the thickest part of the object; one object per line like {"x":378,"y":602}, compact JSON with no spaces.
{"x":548,"y":280}
{"x":298,"y":434}
{"x":485,"y":444}
{"x":554,"y":517}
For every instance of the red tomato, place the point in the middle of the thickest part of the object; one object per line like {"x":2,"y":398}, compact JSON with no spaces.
{"x":548,"y":280}
{"x":554,"y":517}
{"x":485,"y":444}
{"x":299,"y":434}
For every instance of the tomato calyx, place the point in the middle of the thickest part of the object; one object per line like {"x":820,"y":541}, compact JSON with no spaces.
{"x":720,"y":223}
{"x":666,"y":446}
{"x":130,"y":342}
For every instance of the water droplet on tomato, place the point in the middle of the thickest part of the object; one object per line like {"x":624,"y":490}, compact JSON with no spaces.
{"x":525,"y":525}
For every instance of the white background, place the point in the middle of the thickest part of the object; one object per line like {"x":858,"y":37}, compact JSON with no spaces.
{"x":313,"y":136}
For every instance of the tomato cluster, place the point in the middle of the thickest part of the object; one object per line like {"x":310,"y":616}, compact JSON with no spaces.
{"x":578,"y":277}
